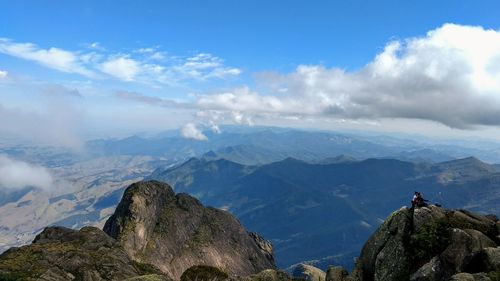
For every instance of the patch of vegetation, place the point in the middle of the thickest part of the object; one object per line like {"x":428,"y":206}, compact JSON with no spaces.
{"x":149,"y":277}
{"x":11,"y":277}
{"x":146,"y":268}
{"x":430,"y":240}
{"x":203,"y":273}
{"x":494,"y":275}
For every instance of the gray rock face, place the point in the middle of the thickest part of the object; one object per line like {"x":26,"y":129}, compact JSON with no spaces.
{"x":433,"y":270}
{"x":63,"y":254}
{"x":175,"y":232}
{"x":385,"y":255}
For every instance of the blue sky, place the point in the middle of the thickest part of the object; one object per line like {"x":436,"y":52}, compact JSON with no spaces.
{"x":256,"y":35}
{"x":367,"y":65}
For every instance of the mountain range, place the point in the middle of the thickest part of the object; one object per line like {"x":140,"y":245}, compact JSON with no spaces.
{"x":261,"y":174}
{"x":289,"y":201}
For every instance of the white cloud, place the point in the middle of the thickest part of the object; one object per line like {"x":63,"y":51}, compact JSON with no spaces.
{"x":122,"y":68}
{"x":94,"y":61}
{"x":190,"y":131}
{"x":205,"y":66}
{"x":18,"y":174}
{"x":54,"y":58}
{"x":3,"y":74}
{"x":450,"y":76}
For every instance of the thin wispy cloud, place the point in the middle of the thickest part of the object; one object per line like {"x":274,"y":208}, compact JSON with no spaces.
{"x":156,"y":101}
{"x":145,"y":65}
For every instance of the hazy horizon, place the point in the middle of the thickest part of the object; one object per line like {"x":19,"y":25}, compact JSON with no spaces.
{"x":74,"y":71}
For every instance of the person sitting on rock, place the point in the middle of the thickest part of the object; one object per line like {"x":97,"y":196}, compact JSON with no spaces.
{"x":418,"y":200}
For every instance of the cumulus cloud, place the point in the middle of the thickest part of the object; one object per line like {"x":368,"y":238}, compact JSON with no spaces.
{"x":190,"y":131}
{"x":450,"y":76}
{"x":3,"y":74}
{"x":18,"y":174}
{"x":122,"y":68}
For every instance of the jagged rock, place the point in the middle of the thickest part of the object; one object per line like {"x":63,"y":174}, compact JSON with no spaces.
{"x":175,"y":232}
{"x":265,"y":246}
{"x":385,"y":256}
{"x":63,"y":254}
{"x":309,"y":272}
{"x":431,"y":271}
{"x":464,"y":244}
{"x":337,"y":273}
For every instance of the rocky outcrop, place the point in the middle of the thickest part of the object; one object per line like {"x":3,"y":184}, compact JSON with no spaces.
{"x":431,"y":244}
{"x":175,"y":232}
{"x":337,"y":273}
{"x":309,"y":273}
{"x":385,"y":256}
{"x":63,"y":254}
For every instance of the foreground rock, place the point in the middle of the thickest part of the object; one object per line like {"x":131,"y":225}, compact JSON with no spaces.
{"x":431,"y":244}
{"x":309,"y":273}
{"x":63,"y":254}
{"x":175,"y":232}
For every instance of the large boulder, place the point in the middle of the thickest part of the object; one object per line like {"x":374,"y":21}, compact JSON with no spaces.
{"x":175,"y":232}
{"x":431,"y":271}
{"x":385,"y":255}
{"x":308,"y":272}
{"x":424,"y":215}
{"x":64,"y":254}
{"x":464,"y":245}
{"x":337,"y":273}
{"x":464,"y":219}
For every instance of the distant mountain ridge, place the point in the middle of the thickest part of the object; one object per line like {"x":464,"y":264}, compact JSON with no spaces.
{"x":354,"y":196}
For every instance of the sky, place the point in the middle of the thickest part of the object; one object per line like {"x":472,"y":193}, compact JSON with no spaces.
{"x":73,"y":70}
